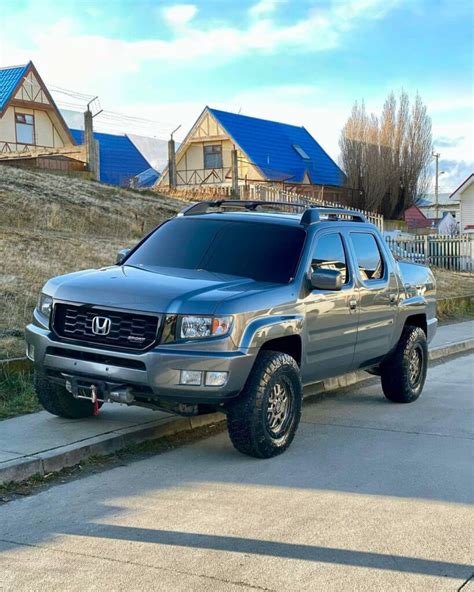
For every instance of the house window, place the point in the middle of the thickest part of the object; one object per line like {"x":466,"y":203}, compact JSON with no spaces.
{"x":213,"y":157}
{"x":25,"y":128}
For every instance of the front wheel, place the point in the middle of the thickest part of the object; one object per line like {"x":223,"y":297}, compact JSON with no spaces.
{"x":263,"y":420}
{"x":404,"y":372}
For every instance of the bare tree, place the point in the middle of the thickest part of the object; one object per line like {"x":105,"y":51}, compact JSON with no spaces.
{"x":386,"y":158}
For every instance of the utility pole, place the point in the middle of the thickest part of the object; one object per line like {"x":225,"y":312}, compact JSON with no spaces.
{"x":92,"y":146}
{"x":235,"y":175}
{"x":172,"y":161}
{"x":436,"y":157}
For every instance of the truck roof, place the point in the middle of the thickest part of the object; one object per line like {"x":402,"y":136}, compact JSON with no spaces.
{"x":285,"y":218}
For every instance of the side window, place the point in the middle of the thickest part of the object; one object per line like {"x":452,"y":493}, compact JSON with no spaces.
{"x":329,"y":254}
{"x":213,"y":157}
{"x":369,"y":259}
{"x":25,"y":128}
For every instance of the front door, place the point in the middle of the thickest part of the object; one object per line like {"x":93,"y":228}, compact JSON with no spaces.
{"x":331,"y":316}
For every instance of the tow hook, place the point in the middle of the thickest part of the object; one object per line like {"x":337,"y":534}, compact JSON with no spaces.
{"x":95,"y":400}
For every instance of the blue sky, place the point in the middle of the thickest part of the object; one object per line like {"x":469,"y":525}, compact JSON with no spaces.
{"x":303,"y":62}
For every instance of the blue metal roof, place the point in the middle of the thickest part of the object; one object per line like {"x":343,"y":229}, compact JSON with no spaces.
{"x":9,"y":78}
{"x":278,"y":149}
{"x":120,"y":160}
{"x":146,"y":178}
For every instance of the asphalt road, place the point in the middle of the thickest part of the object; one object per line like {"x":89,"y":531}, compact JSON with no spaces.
{"x":371,"y":496}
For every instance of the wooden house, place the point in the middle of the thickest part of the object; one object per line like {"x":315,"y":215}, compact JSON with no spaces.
{"x":268,"y":152}
{"x":32,"y":129}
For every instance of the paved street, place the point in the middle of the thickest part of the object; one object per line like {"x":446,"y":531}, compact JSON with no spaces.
{"x":371,"y":496}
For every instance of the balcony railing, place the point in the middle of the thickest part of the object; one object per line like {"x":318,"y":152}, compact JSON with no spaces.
{"x":204,"y":176}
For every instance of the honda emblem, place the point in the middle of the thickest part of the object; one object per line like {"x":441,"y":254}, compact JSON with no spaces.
{"x":101,"y":325}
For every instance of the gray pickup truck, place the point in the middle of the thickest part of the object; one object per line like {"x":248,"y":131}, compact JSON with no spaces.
{"x":235,"y":306}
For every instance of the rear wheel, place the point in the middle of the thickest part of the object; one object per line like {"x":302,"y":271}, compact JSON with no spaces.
{"x":58,"y":401}
{"x":404,"y":372}
{"x":263,"y":420}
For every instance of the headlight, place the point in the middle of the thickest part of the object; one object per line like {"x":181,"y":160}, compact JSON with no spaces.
{"x":197,"y":327}
{"x":45,"y":305}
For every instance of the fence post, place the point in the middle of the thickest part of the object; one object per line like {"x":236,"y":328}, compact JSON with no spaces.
{"x":427,"y":249}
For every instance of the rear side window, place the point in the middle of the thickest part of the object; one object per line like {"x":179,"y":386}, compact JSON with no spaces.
{"x":369,"y":259}
{"x":329,"y":254}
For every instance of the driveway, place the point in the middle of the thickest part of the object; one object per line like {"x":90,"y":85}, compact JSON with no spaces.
{"x":371,"y":496}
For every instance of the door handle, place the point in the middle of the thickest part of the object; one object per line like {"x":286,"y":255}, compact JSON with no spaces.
{"x":352,"y":304}
{"x":393,"y":298}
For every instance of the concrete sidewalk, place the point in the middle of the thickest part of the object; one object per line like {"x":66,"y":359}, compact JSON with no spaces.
{"x":41,"y":443}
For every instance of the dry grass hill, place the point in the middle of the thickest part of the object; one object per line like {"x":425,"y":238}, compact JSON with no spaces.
{"x":52,"y":224}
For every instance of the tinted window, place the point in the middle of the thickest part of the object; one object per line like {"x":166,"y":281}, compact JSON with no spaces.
{"x":329,"y":254}
{"x":368,"y":256}
{"x":264,"y":252}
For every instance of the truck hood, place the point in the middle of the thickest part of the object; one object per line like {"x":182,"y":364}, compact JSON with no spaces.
{"x":161,"y":290}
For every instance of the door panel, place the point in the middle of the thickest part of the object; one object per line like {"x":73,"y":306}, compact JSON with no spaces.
{"x":331,"y":323}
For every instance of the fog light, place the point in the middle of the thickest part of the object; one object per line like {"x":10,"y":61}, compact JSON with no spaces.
{"x":191,"y":377}
{"x":30,"y":352}
{"x":216,"y":378}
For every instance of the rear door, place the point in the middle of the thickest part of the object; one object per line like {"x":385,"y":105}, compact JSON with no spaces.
{"x":331,"y":316}
{"x":377,"y":299}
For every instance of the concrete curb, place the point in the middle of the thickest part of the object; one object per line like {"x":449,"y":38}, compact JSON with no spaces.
{"x":56,"y":459}
{"x":67,"y":456}
{"x":451,"y":349}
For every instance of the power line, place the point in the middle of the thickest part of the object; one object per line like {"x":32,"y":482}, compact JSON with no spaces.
{"x":72,"y":93}
{"x":109,"y":119}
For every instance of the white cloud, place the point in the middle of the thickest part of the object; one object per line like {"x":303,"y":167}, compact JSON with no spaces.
{"x":179,"y":15}
{"x":264,"y":7}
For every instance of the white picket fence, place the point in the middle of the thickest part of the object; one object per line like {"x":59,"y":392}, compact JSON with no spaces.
{"x":266,"y":193}
{"x":449,"y":252}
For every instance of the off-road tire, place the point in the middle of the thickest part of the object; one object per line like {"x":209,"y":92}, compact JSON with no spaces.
{"x":248,"y":415}
{"x":58,"y":401}
{"x":401,"y":383}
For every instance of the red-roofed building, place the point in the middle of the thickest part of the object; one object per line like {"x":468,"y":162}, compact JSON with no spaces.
{"x":415,"y":218}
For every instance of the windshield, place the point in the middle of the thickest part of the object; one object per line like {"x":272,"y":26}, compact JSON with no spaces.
{"x":260,"y":251}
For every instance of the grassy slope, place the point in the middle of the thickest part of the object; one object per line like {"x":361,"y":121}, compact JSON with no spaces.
{"x":51,"y":224}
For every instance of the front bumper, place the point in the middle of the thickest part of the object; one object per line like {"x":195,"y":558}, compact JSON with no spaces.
{"x":155,"y":372}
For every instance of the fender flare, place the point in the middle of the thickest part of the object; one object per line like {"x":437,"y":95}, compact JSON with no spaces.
{"x":264,"y":329}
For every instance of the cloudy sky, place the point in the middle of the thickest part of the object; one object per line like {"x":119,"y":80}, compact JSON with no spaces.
{"x":299,"y":61}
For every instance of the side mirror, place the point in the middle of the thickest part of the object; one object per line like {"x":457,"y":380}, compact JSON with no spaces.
{"x":326,"y":279}
{"x":121,"y":255}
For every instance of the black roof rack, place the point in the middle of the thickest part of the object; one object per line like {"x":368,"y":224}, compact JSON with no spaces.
{"x":311,"y":214}
{"x":203,"y":206}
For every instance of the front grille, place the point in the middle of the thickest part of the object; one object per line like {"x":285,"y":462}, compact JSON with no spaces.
{"x":126,"y":329}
